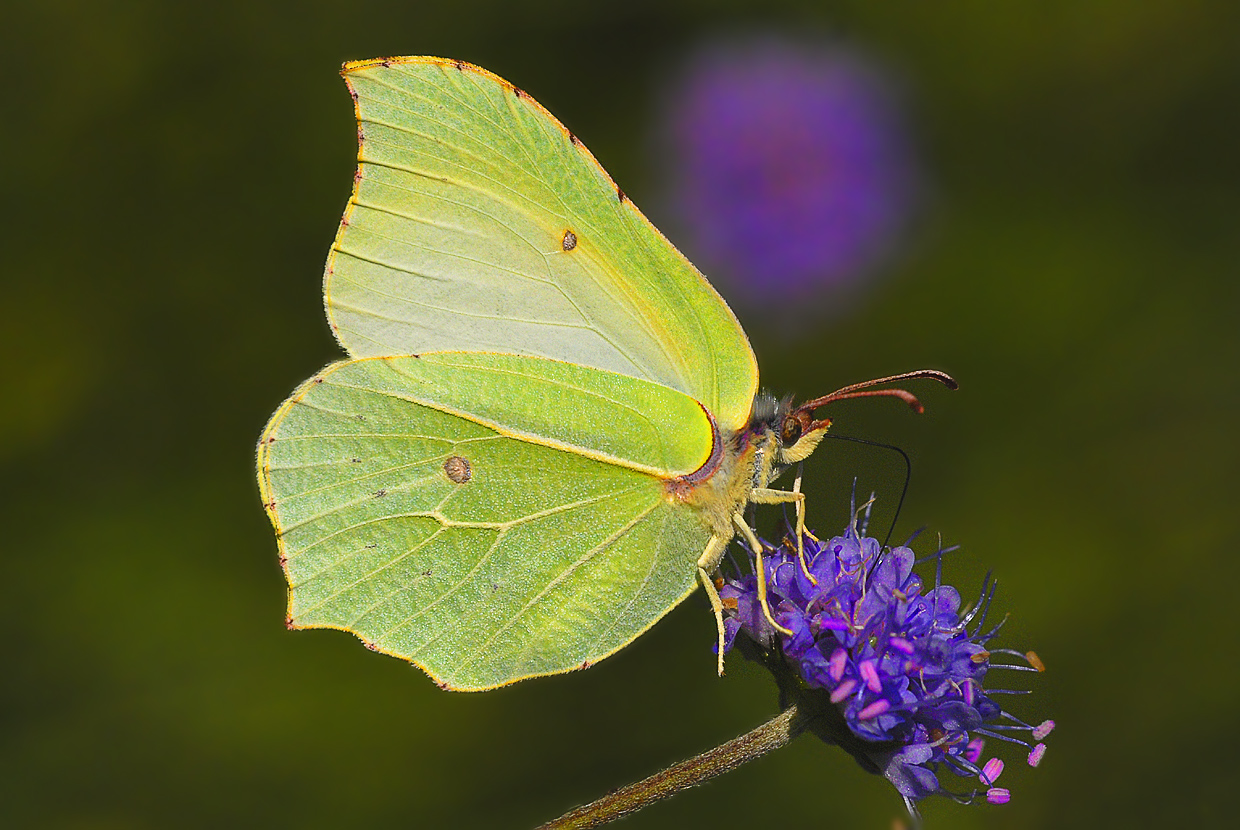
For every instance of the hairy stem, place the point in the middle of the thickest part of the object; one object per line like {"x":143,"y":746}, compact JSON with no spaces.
{"x":626,"y":800}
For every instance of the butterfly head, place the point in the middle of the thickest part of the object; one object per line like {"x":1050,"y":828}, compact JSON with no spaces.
{"x":790,"y":434}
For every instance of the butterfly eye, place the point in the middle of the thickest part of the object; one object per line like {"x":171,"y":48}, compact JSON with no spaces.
{"x":790,"y":431}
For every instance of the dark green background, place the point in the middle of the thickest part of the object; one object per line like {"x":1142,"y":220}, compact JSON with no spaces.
{"x":172,"y":177}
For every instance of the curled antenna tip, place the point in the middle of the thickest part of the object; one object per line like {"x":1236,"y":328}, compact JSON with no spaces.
{"x":925,"y":374}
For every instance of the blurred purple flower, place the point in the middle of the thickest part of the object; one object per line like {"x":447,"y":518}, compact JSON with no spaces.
{"x":904,"y":667}
{"x":789,"y":169}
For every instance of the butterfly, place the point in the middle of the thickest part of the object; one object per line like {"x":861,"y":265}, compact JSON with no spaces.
{"x":548,"y":426}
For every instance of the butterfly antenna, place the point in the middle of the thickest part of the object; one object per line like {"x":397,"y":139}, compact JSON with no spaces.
{"x":908,"y":474}
{"x":804,"y":414}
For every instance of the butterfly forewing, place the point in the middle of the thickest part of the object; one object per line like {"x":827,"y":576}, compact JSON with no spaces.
{"x":479,"y":223}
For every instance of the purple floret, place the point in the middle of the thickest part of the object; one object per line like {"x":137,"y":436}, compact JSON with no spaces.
{"x":905,"y":666}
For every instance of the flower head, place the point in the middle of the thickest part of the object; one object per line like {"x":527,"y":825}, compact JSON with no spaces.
{"x":789,"y":167}
{"x":906,"y":667}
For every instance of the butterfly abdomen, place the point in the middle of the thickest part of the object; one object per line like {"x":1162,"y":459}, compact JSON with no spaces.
{"x":719,"y":496}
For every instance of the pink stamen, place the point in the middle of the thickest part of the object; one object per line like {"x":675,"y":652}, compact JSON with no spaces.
{"x":869,"y":673}
{"x":874,"y":710}
{"x":991,"y":772}
{"x":843,"y":690}
{"x":967,"y":691}
{"x":1043,"y":729}
{"x":998,"y":795}
{"x":835,"y":666}
{"x":901,"y":644}
{"x":973,"y":750}
{"x":1035,"y":755}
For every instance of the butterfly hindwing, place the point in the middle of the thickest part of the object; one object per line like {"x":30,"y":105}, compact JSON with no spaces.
{"x":481,"y":556}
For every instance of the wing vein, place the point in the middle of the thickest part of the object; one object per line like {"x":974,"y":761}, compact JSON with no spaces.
{"x":565,"y":574}
{"x":498,"y":540}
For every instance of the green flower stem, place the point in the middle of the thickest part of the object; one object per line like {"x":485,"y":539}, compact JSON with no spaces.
{"x":626,"y":800}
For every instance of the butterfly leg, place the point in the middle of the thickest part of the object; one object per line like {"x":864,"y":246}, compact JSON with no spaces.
{"x":755,"y":545}
{"x":764,"y":495}
{"x":707,"y":563}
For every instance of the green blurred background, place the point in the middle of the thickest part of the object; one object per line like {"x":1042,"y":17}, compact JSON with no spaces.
{"x":172,"y":177}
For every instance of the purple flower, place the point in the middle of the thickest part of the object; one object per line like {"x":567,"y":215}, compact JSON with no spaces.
{"x":789,"y":168}
{"x":904,"y":666}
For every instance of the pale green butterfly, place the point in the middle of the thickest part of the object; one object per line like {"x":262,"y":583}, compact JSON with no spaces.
{"x":548,"y":427}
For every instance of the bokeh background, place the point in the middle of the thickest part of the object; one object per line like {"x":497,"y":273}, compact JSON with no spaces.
{"x":172,"y":175}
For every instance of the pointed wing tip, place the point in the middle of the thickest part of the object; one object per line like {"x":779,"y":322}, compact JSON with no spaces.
{"x":439,"y":680}
{"x":349,"y":67}
{"x":357,"y":66}
{"x":450,"y":686}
